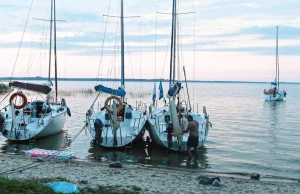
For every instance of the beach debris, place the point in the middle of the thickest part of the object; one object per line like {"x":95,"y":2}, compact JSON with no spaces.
{"x":39,"y":159}
{"x":116,"y":164}
{"x":204,"y":177}
{"x":83,"y":182}
{"x":145,"y":165}
{"x":216,"y":183}
{"x":36,"y":152}
{"x":254,"y":176}
{"x":93,"y":189}
{"x":63,"y":187}
{"x":205,"y":180}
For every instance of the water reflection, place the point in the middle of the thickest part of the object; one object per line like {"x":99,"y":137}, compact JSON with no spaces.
{"x":273,"y":111}
{"x":154,"y":156}
{"x":54,"y":142}
{"x":143,"y":152}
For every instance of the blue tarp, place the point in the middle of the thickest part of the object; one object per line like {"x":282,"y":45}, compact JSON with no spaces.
{"x":63,"y":187}
{"x":119,"y":92}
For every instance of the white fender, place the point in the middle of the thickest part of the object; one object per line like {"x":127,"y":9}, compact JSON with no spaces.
{"x":115,"y":116}
{"x":13,"y":116}
{"x":175,"y":120}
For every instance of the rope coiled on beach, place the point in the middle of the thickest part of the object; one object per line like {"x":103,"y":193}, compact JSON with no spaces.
{"x":34,"y":164}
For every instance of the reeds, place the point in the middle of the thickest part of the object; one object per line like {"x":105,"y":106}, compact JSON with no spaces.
{"x":75,"y":92}
{"x":3,"y":88}
{"x":139,"y":94}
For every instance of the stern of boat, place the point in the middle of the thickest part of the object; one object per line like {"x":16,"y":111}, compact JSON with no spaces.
{"x":131,"y":127}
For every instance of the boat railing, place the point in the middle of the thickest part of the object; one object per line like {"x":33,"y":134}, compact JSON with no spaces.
{"x":137,"y":119}
{"x":160,"y":127}
{"x":157,"y":117}
{"x":5,"y":108}
{"x":141,"y":105}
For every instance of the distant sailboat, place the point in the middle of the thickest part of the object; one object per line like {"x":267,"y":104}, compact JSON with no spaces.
{"x":274,"y":93}
{"x":118,"y":123}
{"x":167,"y":122}
{"x":23,"y":120}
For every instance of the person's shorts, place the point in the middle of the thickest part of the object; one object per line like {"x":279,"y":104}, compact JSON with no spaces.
{"x":193,"y":141}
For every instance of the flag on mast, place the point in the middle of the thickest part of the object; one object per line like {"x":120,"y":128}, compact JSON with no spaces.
{"x":154,"y":94}
{"x":161,"y":91}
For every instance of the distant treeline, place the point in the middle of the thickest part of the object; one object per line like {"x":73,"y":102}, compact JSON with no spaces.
{"x":128,"y":79}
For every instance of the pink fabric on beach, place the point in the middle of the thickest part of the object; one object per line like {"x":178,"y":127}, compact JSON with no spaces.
{"x":48,"y":153}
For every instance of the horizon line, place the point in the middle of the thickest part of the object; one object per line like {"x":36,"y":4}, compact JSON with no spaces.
{"x":131,"y":80}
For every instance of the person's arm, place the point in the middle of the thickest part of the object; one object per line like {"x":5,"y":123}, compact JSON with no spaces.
{"x":188,"y":128}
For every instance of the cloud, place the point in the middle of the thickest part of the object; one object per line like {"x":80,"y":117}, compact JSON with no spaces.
{"x":227,"y":28}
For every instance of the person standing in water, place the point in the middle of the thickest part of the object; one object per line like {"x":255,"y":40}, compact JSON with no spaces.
{"x":193,"y":140}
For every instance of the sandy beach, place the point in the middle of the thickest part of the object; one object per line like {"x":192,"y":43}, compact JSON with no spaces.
{"x":150,"y":180}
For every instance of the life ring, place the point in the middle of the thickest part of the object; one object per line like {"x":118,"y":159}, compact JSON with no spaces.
{"x":270,"y":91}
{"x":20,"y":94}
{"x":115,"y":98}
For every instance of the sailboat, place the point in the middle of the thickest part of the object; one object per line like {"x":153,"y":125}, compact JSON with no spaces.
{"x":23,"y":120}
{"x":275,"y":93}
{"x":167,"y":123}
{"x":117,"y":124}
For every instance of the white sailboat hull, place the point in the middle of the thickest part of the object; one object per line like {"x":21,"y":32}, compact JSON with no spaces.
{"x":29,"y":126}
{"x":279,"y":96}
{"x":129,"y":130}
{"x":158,"y":127}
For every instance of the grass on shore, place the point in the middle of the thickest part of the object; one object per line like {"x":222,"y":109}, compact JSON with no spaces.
{"x":36,"y":186}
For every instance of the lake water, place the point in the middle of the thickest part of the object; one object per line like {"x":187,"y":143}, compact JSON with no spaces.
{"x":248,"y":134}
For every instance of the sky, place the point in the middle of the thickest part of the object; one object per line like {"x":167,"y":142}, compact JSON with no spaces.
{"x":217,"y":39}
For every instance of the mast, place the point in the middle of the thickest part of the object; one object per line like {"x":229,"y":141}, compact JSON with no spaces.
{"x":277,"y":78}
{"x":277,"y":60}
{"x":122,"y":45}
{"x":172,"y":42}
{"x":50,"y":41}
{"x":55,"y":57}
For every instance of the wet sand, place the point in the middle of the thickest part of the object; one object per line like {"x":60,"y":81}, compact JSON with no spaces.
{"x":150,"y":180}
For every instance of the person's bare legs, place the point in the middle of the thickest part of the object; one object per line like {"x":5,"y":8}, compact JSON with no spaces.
{"x":189,"y":153}
{"x":196,"y":153}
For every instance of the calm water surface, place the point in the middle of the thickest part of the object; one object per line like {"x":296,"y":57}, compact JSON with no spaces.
{"x":248,"y":134}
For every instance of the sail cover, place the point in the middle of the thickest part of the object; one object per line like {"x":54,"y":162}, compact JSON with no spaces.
{"x":174,"y":90}
{"x":40,"y":88}
{"x":119,"y":92}
{"x":274,"y":83}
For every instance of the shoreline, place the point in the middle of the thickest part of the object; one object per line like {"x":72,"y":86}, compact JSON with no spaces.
{"x":150,"y":180}
{"x":7,"y":79}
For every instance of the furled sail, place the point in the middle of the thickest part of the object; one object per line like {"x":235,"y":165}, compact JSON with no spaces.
{"x":119,"y":92}
{"x":274,"y":83}
{"x":40,"y":88}
{"x":174,"y":90}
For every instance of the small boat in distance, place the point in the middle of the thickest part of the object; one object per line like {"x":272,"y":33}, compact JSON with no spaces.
{"x":118,"y":123}
{"x":274,"y":93}
{"x":22,"y":120}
